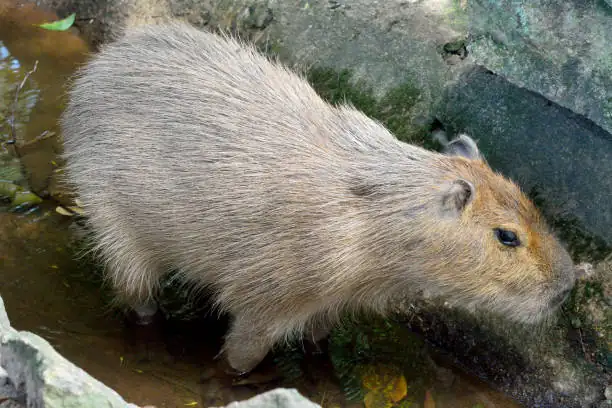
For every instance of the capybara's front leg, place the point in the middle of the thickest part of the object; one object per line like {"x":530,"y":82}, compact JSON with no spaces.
{"x":247,"y":343}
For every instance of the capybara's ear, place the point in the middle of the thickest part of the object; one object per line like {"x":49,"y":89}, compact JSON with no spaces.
{"x":457,"y":197}
{"x":463,"y":146}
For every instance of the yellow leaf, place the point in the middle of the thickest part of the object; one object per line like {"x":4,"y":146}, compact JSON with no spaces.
{"x":191,"y":404}
{"x":371,"y":381}
{"x":63,"y":211}
{"x":388,"y":379}
{"x":397,"y":389}
{"x":77,"y":210}
{"x":375,"y":399}
{"x":429,"y":401}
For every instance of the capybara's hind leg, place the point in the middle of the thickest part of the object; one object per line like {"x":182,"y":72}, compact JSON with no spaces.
{"x":144,"y":313}
{"x":135,"y":279}
{"x":137,"y":299}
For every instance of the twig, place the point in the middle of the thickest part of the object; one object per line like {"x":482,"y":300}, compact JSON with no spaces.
{"x":43,"y":136}
{"x":5,"y":399}
{"x":13,"y":139}
{"x":586,"y":356}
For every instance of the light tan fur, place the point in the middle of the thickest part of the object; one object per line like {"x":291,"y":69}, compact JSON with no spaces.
{"x":193,"y":153}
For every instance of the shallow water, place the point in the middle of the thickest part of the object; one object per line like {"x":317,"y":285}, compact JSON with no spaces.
{"x":50,"y":292}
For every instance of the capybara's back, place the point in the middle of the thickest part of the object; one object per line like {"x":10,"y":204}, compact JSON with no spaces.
{"x":193,"y":153}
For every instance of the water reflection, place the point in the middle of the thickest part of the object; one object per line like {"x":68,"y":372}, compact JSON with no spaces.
{"x":13,"y":64}
{"x":3,"y":51}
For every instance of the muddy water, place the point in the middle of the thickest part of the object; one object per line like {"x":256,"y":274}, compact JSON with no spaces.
{"x":50,"y":292}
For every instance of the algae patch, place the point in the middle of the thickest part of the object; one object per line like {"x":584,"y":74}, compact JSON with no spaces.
{"x":393,"y":110}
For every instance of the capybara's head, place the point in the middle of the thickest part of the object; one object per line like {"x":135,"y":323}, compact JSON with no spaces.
{"x":492,"y":249}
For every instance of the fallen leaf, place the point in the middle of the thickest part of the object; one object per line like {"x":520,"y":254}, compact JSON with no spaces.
{"x":386,"y":386}
{"x":77,"y":210}
{"x":429,"y":401}
{"x":63,"y":211}
{"x":59,"y":25}
{"x":375,"y":399}
{"x":397,"y":389}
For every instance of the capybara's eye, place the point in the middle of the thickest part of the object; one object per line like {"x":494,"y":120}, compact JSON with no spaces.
{"x":506,"y":237}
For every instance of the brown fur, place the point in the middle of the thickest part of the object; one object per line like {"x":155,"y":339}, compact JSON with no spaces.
{"x":192,"y":152}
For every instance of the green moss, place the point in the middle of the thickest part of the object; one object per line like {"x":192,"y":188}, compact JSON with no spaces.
{"x":393,"y":110}
{"x":454,"y":47}
{"x":583,"y":245}
{"x":335,"y":87}
{"x":589,"y":320}
{"x":366,"y":342}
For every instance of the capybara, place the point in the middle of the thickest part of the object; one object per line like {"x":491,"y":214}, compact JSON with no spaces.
{"x":194,"y":154}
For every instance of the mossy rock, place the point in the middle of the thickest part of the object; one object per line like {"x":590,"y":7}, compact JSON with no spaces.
{"x":393,"y":110}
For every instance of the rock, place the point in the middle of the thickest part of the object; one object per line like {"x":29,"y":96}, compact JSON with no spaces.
{"x":277,"y":398}
{"x":32,"y":373}
{"x":553,"y":153}
{"x":560,"y":50}
{"x":189,"y":10}
{"x":536,"y":369}
{"x":553,"y":366}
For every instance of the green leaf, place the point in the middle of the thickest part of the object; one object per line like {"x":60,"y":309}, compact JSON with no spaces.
{"x":59,"y":25}
{"x":25,"y":197}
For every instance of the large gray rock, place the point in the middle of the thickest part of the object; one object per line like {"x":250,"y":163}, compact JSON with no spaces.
{"x":33,"y":374}
{"x":560,"y":49}
{"x":560,"y":158}
{"x":277,"y":398}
